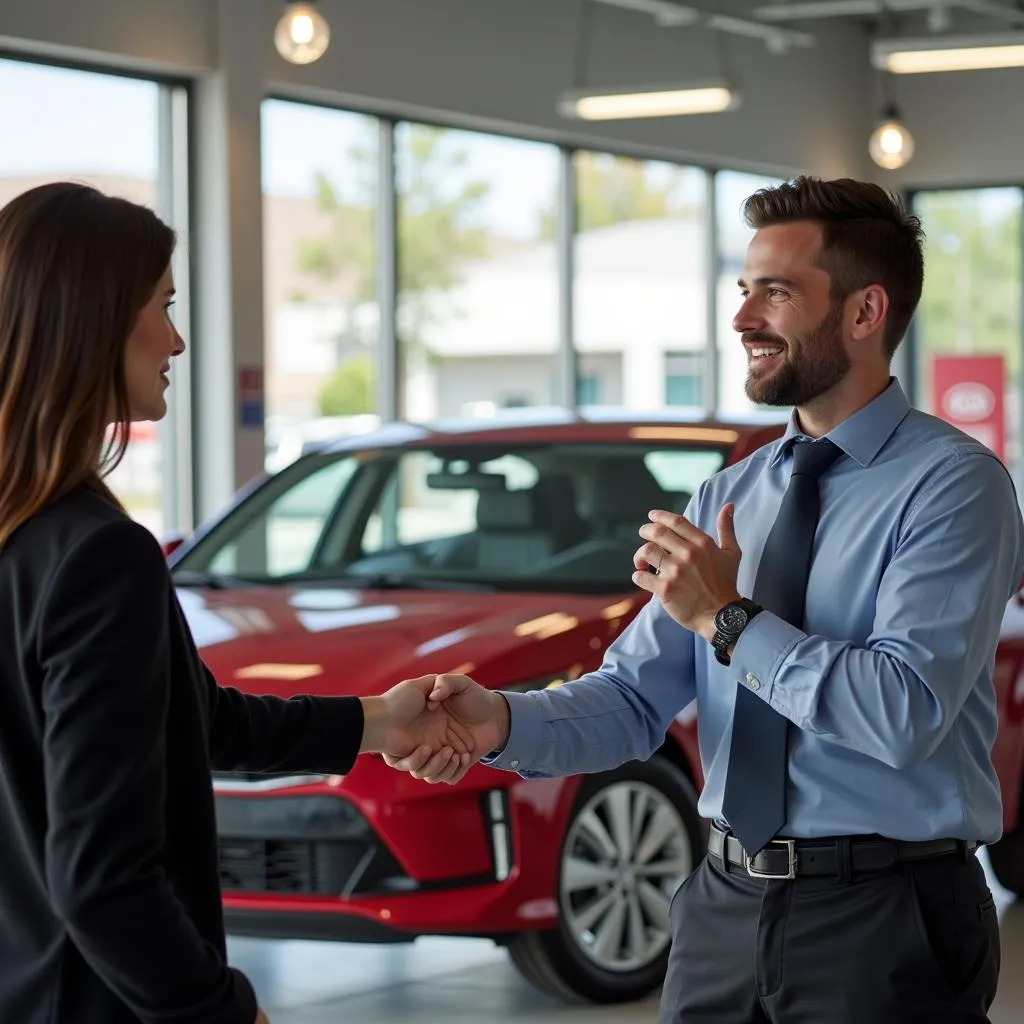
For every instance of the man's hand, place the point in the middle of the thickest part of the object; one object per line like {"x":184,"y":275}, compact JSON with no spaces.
{"x":403,"y":723}
{"x":482,"y":713}
{"x":695,"y":576}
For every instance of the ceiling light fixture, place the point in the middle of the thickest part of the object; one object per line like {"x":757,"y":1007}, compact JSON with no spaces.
{"x":948,"y":53}
{"x":648,"y":101}
{"x":891,"y":146}
{"x":302,"y":34}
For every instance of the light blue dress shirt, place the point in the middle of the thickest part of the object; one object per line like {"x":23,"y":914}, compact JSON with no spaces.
{"x":919,"y":547}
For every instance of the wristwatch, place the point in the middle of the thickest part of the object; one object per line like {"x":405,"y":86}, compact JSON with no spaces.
{"x":730,"y":622}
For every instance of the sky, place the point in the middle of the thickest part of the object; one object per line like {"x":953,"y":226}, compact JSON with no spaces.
{"x":53,"y":120}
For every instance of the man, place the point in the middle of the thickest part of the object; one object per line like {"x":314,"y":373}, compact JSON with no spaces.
{"x":845,"y":700}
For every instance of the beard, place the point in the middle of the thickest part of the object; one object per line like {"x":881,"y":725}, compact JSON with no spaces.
{"x":814,"y":366}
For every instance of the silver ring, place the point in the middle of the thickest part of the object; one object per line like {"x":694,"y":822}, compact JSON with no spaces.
{"x":657,"y":572}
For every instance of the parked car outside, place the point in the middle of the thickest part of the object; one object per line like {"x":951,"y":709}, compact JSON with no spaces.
{"x":502,"y":550}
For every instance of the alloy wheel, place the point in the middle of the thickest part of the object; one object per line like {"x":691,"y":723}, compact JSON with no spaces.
{"x":626,"y":853}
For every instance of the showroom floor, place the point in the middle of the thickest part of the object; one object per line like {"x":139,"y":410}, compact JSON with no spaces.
{"x":450,"y":981}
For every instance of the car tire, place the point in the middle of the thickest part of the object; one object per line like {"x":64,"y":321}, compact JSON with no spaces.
{"x":633,"y":836}
{"x":1007,"y":860}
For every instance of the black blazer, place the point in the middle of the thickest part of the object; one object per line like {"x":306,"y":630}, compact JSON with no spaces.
{"x":110,"y":907}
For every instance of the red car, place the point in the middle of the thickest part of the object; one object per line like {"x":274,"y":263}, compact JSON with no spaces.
{"x":502,"y":549}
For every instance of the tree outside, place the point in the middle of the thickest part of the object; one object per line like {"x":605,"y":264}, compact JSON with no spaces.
{"x":971,"y":303}
{"x":613,"y":189}
{"x":443,"y":226}
{"x":972,"y":295}
{"x":436,"y":237}
{"x":350,"y":389}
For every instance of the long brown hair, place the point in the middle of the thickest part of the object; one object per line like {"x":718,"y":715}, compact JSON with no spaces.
{"x":868,"y":237}
{"x":76,"y":269}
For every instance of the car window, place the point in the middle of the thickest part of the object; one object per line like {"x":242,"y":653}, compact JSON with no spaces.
{"x":683,"y":470}
{"x":423,"y":500}
{"x":549,"y":516}
{"x":282,"y":539}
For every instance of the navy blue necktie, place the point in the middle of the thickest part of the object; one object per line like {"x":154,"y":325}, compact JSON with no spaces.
{"x":754,"y":802}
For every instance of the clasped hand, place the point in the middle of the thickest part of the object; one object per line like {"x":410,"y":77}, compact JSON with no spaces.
{"x":436,"y":727}
{"x":695,"y":577}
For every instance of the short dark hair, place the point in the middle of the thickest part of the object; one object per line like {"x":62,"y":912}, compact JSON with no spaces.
{"x":868,"y":237}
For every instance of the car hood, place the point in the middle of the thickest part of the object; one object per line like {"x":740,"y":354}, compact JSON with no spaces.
{"x":287,"y":640}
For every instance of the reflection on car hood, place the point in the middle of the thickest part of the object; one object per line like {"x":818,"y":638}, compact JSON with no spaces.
{"x":339,"y":641}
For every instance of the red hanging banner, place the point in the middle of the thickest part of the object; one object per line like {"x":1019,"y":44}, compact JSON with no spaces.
{"x":968,"y":391}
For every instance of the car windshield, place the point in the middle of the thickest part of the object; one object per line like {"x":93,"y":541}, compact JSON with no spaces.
{"x":551,"y":517}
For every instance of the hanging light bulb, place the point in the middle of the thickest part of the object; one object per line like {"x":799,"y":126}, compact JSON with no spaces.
{"x":302,"y":33}
{"x":891,"y":146}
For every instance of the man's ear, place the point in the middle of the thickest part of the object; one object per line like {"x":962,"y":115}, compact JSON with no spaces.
{"x":869,"y":307}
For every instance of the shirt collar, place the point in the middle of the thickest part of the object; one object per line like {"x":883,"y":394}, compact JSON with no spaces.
{"x":862,"y":435}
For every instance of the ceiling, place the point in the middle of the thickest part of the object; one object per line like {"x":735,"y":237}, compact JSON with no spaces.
{"x":785,"y":24}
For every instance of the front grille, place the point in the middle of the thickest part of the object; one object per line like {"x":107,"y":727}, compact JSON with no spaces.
{"x":253,"y":865}
{"x":313,"y":846}
{"x":322,"y":846}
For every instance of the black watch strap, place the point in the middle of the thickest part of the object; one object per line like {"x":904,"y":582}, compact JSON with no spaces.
{"x":725,"y":637}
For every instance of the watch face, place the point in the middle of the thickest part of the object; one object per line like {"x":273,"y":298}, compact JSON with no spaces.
{"x":732,"y":619}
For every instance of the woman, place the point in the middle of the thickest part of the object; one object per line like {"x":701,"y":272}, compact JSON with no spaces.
{"x":109,"y":722}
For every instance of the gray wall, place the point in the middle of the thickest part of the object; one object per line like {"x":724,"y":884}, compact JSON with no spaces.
{"x":966,"y":128}
{"x":146,"y":34}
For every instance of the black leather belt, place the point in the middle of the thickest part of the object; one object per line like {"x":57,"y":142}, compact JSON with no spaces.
{"x":842,"y":857}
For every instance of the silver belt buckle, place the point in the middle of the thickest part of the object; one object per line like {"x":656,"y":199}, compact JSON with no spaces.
{"x":789,"y":844}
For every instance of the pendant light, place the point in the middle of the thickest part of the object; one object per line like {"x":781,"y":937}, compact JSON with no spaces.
{"x":302,"y":33}
{"x":891,"y":146}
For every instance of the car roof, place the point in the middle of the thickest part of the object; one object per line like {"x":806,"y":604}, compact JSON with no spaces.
{"x":560,"y":424}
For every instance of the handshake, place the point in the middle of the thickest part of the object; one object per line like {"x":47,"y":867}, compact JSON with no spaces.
{"x":435,"y":727}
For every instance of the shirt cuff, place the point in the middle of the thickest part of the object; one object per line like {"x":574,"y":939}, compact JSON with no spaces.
{"x":760,"y":652}
{"x":526,"y":727}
